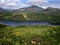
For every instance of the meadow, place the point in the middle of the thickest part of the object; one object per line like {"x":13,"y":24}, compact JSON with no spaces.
{"x":29,"y":35}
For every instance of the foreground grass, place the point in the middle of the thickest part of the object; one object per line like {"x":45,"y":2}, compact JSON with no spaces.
{"x":30,"y":35}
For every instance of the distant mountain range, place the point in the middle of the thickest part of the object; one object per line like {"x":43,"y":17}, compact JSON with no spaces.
{"x":32,"y":9}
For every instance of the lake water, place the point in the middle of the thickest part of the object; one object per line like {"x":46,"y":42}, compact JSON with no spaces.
{"x":12,"y":23}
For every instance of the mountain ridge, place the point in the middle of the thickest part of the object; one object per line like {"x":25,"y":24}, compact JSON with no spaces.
{"x":32,"y":9}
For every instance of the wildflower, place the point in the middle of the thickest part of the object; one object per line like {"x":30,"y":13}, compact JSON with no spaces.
{"x":9,"y":39}
{"x":25,"y":43}
{"x":17,"y":33}
{"x":54,"y":32}
{"x":47,"y":32}
{"x":33,"y":42}
{"x":4,"y":37}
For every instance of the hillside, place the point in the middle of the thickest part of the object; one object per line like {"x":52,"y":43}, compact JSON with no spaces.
{"x":32,"y":13}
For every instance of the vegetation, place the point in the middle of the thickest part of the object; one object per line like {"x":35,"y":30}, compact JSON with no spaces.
{"x":50,"y":16}
{"x":2,"y":26}
{"x":30,"y":35}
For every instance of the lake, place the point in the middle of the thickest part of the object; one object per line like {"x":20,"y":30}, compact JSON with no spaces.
{"x":12,"y":23}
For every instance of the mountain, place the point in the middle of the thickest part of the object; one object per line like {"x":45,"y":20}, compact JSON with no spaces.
{"x":52,"y":9}
{"x":36,"y":9}
{"x":1,"y":9}
{"x":5,"y":10}
{"x":31,"y":9}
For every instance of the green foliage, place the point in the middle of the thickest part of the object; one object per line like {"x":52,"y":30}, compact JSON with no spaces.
{"x":50,"y":16}
{"x":2,"y":26}
{"x":30,"y":35}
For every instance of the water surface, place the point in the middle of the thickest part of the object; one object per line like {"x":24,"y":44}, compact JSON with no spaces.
{"x":12,"y":23}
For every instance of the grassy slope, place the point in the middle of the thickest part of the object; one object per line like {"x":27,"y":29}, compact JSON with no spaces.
{"x":30,"y":35}
{"x":53,"y":17}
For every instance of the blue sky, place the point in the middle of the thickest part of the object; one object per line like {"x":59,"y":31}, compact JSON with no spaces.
{"x":14,"y":4}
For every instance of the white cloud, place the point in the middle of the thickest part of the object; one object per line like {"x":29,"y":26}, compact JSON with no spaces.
{"x":36,"y":2}
{"x":18,"y":3}
{"x":24,"y":5}
{"x":9,"y":3}
{"x":13,"y":4}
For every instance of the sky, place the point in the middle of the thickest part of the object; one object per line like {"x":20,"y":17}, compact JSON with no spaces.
{"x":15,"y":4}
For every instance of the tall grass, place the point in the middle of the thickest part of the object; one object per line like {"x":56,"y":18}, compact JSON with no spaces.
{"x":30,"y":35}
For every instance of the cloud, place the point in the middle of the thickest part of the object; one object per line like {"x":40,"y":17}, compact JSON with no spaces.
{"x":54,"y":3}
{"x":9,"y":3}
{"x":13,"y":4}
{"x":36,"y":2}
{"x":17,"y":3}
{"x":24,"y":5}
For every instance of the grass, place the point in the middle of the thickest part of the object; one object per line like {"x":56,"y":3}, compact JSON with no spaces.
{"x":30,"y":35}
